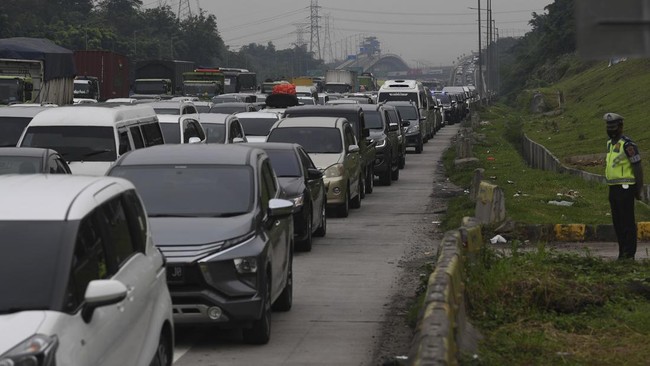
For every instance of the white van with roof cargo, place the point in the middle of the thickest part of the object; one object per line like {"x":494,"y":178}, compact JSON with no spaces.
{"x":91,"y":137}
{"x":410,"y":90}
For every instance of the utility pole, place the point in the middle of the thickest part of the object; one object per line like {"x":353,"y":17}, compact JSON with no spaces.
{"x":497,"y":62}
{"x":480,"y":61}
{"x":314,"y":43}
{"x":488,"y":48}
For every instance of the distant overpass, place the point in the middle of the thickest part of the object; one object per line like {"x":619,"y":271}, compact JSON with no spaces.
{"x":379,"y":65}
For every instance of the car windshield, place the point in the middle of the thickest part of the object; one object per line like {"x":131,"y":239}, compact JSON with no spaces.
{"x":74,"y":143}
{"x":20,"y":165}
{"x":192,"y":190}
{"x":225,"y":99}
{"x":174,"y":111}
{"x":284,"y":162}
{"x":400,"y":97}
{"x":215,"y":132}
{"x":408,"y":112}
{"x":11,"y":128}
{"x":171,"y":133}
{"x":443,"y":98}
{"x":319,"y":140}
{"x":257,"y":126}
{"x":30,"y":264}
{"x":373,"y":120}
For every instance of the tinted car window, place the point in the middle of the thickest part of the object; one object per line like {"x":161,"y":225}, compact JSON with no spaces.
{"x":137,"y":220}
{"x":191,"y":190}
{"x":113,"y":218}
{"x":228,"y":109}
{"x":11,"y":128}
{"x":136,"y":135}
{"x":284,"y":162}
{"x":74,"y":143}
{"x":398,"y":96}
{"x":171,"y":132}
{"x":20,"y":165}
{"x":373,"y":120}
{"x":312,"y":139}
{"x":31,"y":257}
{"x":174,"y":111}
{"x":215,"y":132}
{"x":257,"y":126}
{"x":408,"y":112}
{"x":152,"y":134}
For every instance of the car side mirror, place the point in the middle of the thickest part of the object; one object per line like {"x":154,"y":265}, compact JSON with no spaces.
{"x":314,"y":174}
{"x":194,"y":140}
{"x":406,"y":123}
{"x":280,"y":208}
{"x":101,"y":293}
{"x":393,"y":127}
{"x":237,"y":140}
{"x":353,"y":148}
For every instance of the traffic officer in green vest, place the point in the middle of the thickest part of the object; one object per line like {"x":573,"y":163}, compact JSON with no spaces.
{"x":625,"y":179}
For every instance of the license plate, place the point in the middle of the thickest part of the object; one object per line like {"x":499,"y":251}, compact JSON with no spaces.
{"x":175,"y":274}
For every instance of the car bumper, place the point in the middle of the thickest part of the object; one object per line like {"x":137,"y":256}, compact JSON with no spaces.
{"x":336,"y":189}
{"x":413,"y":140}
{"x":300,"y":225}
{"x":380,"y":165}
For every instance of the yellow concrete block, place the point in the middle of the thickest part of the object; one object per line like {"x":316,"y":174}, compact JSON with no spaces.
{"x":486,"y":192}
{"x":570,"y":232}
{"x":643,"y":230}
{"x":474,"y":239}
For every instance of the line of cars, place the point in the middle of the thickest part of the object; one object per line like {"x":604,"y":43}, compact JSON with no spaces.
{"x":187,"y":232}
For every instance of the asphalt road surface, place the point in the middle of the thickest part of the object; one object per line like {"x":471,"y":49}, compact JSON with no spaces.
{"x":342,"y":288}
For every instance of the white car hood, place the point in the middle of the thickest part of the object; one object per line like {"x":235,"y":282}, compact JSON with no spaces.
{"x":17,"y":327}
{"x":323,"y":161}
{"x":96,"y":168}
{"x":256,"y":138}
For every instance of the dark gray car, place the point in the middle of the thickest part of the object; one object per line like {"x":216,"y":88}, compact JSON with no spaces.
{"x":217,"y":215}
{"x":385,"y":134}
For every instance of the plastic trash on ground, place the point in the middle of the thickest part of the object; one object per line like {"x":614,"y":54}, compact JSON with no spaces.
{"x":498,"y":239}
{"x":561,"y":203}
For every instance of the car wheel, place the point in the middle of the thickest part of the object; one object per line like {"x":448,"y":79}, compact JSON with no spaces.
{"x":362,"y":185}
{"x":419,"y":148}
{"x":384,"y":178}
{"x":305,"y":244}
{"x":356,"y":201}
{"x":164,"y":352}
{"x":284,"y":302}
{"x":344,"y":209}
{"x":260,"y":331}
{"x":322,"y":229}
{"x":394,"y":175}
{"x":370,"y":180}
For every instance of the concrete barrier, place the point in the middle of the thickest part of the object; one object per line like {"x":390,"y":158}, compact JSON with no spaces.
{"x":490,"y":204}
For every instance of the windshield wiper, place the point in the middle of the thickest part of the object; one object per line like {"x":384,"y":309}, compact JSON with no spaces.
{"x":93,"y":153}
{"x":229,"y":214}
{"x":172,"y":215}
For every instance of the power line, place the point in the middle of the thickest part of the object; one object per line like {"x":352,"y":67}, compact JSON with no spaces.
{"x":420,"y":13}
{"x":264,"y":20}
{"x":404,"y":32}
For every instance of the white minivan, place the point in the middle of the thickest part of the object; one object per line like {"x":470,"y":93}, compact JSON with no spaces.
{"x":413,"y":91}
{"x":90,"y":137}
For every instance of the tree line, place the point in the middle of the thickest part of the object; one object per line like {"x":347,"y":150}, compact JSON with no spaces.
{"x":128,"y":28}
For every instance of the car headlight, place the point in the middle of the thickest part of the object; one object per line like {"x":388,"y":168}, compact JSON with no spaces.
{"x":37,"y":350}
{"x":380,"y":143}
{"x":234,"y":241}
{"x":298,"y":201}
{"x":414,"y":128}
{"x":333,"y":171}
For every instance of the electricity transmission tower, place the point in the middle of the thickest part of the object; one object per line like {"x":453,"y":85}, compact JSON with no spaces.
{"x":314,"y":42}
{"x":301,"y":29}
{"x":327,"y":43}
{"x":185,"y":9}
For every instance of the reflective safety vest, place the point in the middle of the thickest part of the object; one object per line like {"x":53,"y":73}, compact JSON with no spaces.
{"x":619,"y":169}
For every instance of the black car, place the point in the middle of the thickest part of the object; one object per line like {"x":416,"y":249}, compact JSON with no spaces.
{"x":303,"y":184}
{"x":217,"y":215}
{"x":233,"y":107}
{"x":384,"y":133}
{"x":31,"y":160}
{"x":412,"y":131}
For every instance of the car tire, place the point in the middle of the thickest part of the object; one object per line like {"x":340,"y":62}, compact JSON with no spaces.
{"x":164,"y":353}
{"x":343,"y":210}
{"x":402,"y":161}
{"x":322,"y":229}
{"x":285,"y":300}
{"x":370,"y":180}
{"x":305,"y":244}
{"x":419,"y":148}
{"x":362,"y":185}
{"x":356,"y":201}
{"x":384,"y":178}
{"x":260,"y":331}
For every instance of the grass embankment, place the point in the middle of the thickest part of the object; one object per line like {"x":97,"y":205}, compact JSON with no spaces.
{"x":546,"y":308}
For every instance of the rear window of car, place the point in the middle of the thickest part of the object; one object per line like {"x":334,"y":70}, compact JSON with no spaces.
{"x":20,"y":165}
{"x":373,"y":120}
{"x":171,"y":133}
{"x":215,"y":132}
{"x":317,"y":140}
{"x":11,"y":128}
{"x":285,"y":163}
{"x":257,"y":126}
{"x":74,"y":143}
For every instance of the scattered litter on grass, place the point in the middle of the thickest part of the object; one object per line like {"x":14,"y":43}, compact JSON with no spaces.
{"x":484,"y":123}
{"x":561,"y":203}
{"x":435,"y":222}
{"x":493,"y":177}
{"x":490,"y":158}
{"x":466,"y":191}
{"x":511,"y":182}
{"x":498,"y":239}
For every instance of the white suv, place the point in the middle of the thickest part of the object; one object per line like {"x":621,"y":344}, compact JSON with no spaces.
{"x":82,"y":283}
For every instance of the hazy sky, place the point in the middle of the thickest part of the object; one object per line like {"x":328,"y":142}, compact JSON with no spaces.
{"x":422,"y":32}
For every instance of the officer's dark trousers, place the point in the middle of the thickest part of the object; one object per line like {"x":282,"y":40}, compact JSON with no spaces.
{"x":622,"y":203}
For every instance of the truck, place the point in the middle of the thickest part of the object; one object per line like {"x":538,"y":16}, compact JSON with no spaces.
{"x":109,"y":70}
{"x":203,"y":83}
{"x":161,"y":77}
{"x":341,"y":81}
{"x":35,"y":70}
{"x":239,"y":80}
{"x":366,"y":82}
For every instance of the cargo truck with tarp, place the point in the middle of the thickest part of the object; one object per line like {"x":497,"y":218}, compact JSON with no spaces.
{"x":239,"y":80}
{"x":35,"y":70}
{"x":161,"y":77}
